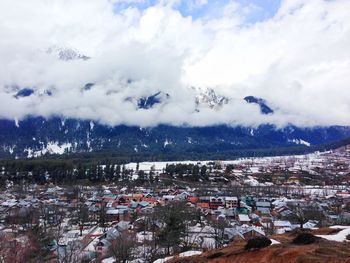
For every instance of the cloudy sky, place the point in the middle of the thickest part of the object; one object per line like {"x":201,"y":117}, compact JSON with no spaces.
{"x":295,"y":54}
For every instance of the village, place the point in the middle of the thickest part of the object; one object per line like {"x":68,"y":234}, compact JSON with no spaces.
{"x":150,"y":222}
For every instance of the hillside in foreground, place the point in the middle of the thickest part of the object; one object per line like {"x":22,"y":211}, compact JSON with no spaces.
{"x":285,"y":252}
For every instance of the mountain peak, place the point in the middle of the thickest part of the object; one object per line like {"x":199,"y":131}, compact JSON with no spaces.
{"x":25,"y":92}
{"x":264,"y":108}
{"x":209,"y":98}
{"x":66,"y":54}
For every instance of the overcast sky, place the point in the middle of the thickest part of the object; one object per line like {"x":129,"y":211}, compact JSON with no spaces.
{"x":295,"y":54}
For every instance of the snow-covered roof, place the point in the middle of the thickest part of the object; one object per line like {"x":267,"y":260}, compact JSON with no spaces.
{"x":282,"y":223}
{"x":230,"y":198}
{"x":243,"y":218}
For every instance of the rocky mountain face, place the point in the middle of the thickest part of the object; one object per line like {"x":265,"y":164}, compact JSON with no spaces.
{"x":208,"y":98}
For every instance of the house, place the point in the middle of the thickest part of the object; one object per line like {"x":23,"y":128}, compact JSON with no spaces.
{"x":231,"y":202}
{"x":231,"y":233}
{"x":102,"y":246}
{"x":106,"y":239}
{"x":123,"y":225}
{"x":282,"y":226}
{"x":167,"y":198}
{"x":141,"y":204}
{"x":243,"y":219}
{"x":263,"y":207}
{"x":215,"y":202}
{"x":252,"y":231}
{"x":112,"y":214}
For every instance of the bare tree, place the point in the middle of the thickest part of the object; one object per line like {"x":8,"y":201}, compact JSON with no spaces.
{"x":122,"y":246}
{"x":303,"y":214}
{"x":173,"y":217}
{"x":71,"y":253}
{"x":219,"y":231}
{"x":102,"y":216}
{"x":83,"y":216}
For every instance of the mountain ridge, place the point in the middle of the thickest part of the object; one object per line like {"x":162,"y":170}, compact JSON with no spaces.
{"x":37,"y":136}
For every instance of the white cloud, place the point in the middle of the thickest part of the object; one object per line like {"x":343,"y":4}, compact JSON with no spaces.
{"x":298,"y":60}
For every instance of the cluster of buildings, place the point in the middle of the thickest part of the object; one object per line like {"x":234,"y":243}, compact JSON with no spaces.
{"x":89,"y":218}
{"x":121,"y":209}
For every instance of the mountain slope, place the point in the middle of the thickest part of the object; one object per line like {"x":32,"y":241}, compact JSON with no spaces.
{"x":36,"y":136}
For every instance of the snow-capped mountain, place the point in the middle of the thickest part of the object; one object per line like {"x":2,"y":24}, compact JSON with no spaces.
{"x":66,"y":54}
{"x":148,"y":102}
{"x":36,"y":136}
{"x":208,"y":98}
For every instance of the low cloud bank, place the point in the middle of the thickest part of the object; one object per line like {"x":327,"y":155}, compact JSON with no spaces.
{"x":298,"y":60}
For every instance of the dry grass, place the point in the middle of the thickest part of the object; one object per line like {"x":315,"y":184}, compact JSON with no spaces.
{"x":326,"y":231}
{"x":323,"y":251}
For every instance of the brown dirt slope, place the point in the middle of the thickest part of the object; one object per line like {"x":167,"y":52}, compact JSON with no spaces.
{"x":323,"y":251}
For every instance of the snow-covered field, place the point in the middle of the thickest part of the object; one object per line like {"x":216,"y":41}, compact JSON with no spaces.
{"x":159,"y":166}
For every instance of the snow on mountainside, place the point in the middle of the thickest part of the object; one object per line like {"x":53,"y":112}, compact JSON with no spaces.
{"x":50,"y":148}
{"x":300,"y":141}
{"x":36,"y":136}
{"x":208,"y":97}
{"x":66,"y":54}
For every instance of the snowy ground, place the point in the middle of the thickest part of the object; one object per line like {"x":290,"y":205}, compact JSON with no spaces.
{"x":274,"y":242}
{"x":159,"y":166}
{"x":108,"y":260}
{"x":340,"y":236}
{"x":181,"y":255}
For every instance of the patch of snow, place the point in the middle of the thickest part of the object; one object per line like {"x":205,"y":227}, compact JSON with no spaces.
{"x":144,"y":236}
{"x":92,"y":125}
{"x":189,"y":253}
{"x":163,"y":260}
{"x":340,"y":236}
{"x":55,"y":148}
{"x":16,"y":122}
{"x":11,"y":149}
{"x":300,"y":142}
{"x":274,"y":242}
{"x":88,"y":142}
{"x":167,"y":142}
{"x":51,"y":148}
{"x":108,"y":260}
{"x":251,"y":181}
